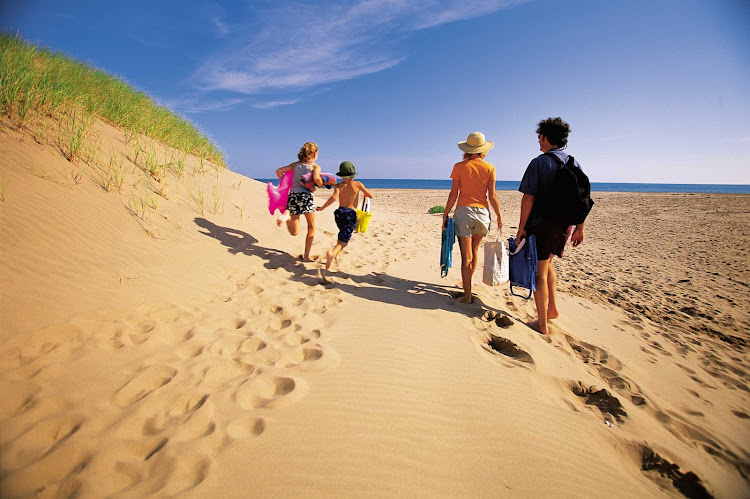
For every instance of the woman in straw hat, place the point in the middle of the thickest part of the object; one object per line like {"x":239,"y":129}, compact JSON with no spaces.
{"x":474,"y":189}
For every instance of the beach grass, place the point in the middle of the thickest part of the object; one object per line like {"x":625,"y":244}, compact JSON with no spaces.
{"x":436,"y":209}
{"x":73,"y":93}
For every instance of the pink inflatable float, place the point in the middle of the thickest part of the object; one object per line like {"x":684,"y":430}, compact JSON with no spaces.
{"x":278,"y":196}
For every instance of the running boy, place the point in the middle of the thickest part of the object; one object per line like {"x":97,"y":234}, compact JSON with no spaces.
{"x":347,"y":194}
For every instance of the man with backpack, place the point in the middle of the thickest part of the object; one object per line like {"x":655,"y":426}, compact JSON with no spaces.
{"x":556,"y":197}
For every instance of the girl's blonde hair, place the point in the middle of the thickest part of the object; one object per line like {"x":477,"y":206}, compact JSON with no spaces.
{"x":467,"y":155}
{"x":307,"y":151}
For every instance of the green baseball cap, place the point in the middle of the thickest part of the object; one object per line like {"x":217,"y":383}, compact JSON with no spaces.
{"x":347,"y":169}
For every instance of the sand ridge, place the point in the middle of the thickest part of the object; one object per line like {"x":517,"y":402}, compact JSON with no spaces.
{"x":193,"y":353}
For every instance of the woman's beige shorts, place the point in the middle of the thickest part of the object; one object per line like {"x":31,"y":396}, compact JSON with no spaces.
{"x":470,"y":220}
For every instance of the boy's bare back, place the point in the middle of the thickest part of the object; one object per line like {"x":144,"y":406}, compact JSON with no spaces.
{"x":349,"y":193}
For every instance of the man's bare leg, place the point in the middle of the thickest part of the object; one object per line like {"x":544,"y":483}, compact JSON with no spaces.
{"x":541,"y":297}
{"x":552,"y":312}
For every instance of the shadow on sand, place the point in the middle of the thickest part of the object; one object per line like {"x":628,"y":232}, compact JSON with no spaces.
{"x":375,"y":286}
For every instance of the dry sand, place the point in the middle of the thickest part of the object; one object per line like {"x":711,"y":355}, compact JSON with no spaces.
{"x":176,"y":349}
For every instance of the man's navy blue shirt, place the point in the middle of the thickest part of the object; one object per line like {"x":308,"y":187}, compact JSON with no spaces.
{"x":539,"y":177}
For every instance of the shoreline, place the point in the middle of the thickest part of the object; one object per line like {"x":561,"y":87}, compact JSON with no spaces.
{"x":596,"y":187}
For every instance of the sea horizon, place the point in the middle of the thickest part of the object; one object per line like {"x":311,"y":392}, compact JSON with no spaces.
{"x":512,"y":185}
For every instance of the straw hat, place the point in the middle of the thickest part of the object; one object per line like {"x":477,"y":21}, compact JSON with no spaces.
{"x":475,"y":143}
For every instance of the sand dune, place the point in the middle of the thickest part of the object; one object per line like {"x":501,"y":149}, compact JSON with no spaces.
{"x":185,"y":349}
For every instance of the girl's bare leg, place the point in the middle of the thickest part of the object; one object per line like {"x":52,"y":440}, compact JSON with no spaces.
{"x":310,"y":218}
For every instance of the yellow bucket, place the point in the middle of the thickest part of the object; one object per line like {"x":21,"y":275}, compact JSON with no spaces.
{"x":363,"y":219}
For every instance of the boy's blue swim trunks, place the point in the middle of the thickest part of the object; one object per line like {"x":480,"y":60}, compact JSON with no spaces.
{"x":346,"y":220}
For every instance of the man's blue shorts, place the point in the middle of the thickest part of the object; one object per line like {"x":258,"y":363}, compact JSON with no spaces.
{"x":346,"y":220}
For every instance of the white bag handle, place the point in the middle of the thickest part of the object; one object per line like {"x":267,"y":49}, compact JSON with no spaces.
{"x":518,"y":248}
{"x":366,"y":205}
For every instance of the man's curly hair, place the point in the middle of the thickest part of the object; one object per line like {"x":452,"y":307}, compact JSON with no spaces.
{"x":556,"y":131}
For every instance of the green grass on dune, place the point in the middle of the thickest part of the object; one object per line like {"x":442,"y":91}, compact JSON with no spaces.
{"x":33,"y":78}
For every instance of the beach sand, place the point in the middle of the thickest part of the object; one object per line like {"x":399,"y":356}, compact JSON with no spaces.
{"x":162,"y":345}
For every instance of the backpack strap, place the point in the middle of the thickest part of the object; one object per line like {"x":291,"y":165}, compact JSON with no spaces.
{"x":571,"y":159}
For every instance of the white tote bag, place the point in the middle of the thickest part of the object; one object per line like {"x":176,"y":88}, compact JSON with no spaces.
{"x":495,"y":262}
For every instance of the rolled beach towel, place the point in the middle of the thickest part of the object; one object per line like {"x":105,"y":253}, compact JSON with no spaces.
{"x":446,"y":247}
{"x":329,"y":180}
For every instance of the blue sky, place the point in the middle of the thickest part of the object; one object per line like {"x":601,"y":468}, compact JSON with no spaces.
{"x":654,"y":90}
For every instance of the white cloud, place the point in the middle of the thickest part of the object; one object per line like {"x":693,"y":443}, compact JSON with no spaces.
{"x":217,"y":15}
{"x":272,"y":104}
{"x":222,"y":29}
{"x":196,"y":105}
{"x":296,"y":46}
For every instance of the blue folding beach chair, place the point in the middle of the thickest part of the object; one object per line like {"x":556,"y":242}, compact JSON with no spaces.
{"x":446,"y":248}
{"x":522,"y":268}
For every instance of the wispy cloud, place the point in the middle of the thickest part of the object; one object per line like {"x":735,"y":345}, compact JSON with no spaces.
{"x":272,"y":104}
{"x":299,"y":45}
{"x":217,"y":15}
{"x":221,"y":27}
{"x":196,"y":105}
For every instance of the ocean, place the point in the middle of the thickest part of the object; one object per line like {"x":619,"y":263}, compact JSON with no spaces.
{"x":510,"y":185}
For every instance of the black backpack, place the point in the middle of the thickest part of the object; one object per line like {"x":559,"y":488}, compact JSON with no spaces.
{"x":568,"y":199}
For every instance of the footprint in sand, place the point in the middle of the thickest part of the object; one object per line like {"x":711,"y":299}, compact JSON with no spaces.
{"x":657,"y":468}
{"x":227,"y":345}
{"x":657,"y":346}
{"x":269,"y":323}
{"x":199,"y":424}
{"x":270,"y":392}
{"x":144,"y":383}
{"x":219,"y":373}
{"x":189,"y":416}
{"x":688,"y":432}
{"x":246,"y":427}
{"x":57,"y":474}
{"x":173,"y":473}
{"x":221,"y":299}
{"x":171,"y":315}
{"x":608,"y":404}
{"x":295,"y":356}
{"x":252,"y":345}
{"x":505,"y":347}
{"x":607,"y":367}
{"x":631,"y":324}
{"x":39,"y":441}
{"x":17,"y":401}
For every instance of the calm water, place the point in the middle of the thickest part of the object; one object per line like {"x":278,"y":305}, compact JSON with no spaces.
{"x":505,"y":185}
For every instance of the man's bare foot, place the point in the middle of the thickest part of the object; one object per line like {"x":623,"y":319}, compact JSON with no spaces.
{"x":552,"y":314}
{"x":283,"y":218}
{"x":537,"y":327}
{"x":463,"y":299}
{"x":329,"y":260}
{"x":309,"y":259}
